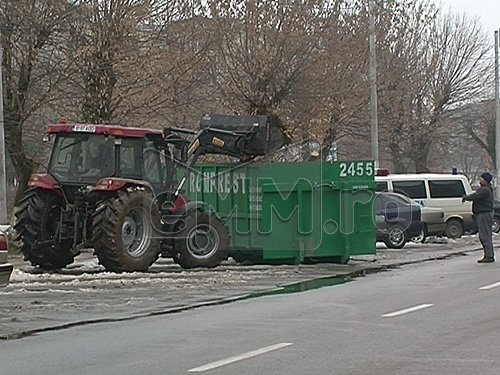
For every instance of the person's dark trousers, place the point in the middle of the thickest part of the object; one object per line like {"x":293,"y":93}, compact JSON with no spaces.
{"x":484,"y":221}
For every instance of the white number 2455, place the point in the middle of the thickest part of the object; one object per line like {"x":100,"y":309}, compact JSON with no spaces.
{"x":356,"y":168}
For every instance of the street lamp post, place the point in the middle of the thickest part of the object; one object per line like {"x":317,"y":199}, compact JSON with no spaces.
{"x":3,"y":184}
{"x":497,"y":119}
{"x":373,"y":86}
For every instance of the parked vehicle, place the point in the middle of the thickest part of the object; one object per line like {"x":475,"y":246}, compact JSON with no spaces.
{"x":433,"y":223}
{"x":5,"y":267}
{"x":443,"y":191}
{"x":496,"y":217}
{"x":119,"y":190}
{"x":397,"y":219}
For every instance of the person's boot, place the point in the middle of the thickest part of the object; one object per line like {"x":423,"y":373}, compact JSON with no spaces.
{"x":486,"y":260}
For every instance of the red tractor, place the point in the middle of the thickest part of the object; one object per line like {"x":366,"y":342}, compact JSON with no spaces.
{"x":118,"y":190}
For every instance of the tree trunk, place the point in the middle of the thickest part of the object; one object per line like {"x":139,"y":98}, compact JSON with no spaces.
{"x":23,"y":165}
{"x":420,"y":156}
{"x":397,"y":158}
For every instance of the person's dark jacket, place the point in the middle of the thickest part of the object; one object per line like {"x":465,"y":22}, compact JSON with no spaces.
{"x":482,"y":199}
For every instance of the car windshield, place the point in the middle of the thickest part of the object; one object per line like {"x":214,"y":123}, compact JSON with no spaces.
{"x":82,"y":158}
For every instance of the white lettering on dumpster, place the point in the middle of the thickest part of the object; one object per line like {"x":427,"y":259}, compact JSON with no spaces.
{"x":223,"y":183}
{"x":255,"y":198}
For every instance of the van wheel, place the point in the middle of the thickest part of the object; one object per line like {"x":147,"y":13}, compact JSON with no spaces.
{"x":495,"y":226}
{"x":454,"y":229}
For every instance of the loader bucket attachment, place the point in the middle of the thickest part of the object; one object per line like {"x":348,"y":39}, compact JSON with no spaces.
{"x":243,"y":136}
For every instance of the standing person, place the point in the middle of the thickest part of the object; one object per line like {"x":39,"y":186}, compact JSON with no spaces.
{"x":482,"y":207}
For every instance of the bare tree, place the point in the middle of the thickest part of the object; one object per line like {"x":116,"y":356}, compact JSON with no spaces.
{"x":179,"y":59}
{"x":31,"y":70}
{"x":140,"y":61}
{"x":337,"y":85}
{"x":266,"y":49}
{"x":430,"y":64}
{"x":402,"y":27}
{"x":456,"y":73}
{"x":476,"y":123}
{"x":105,"y":45}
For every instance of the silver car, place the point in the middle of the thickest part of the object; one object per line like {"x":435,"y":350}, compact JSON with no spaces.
{"x":434,"y":224}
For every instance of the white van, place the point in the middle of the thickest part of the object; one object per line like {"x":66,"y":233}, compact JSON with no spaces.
{"x":443,"y":191}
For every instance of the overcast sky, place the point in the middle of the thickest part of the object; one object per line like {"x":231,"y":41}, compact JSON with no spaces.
{"x":488,"y":11}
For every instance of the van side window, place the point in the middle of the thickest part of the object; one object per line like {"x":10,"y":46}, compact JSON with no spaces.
{"x":414,"y":189}
{"x":381,"y":186}
{"x":446,"y":189}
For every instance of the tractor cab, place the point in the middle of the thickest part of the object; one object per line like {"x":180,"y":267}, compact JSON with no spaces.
{"x":85,"y":154}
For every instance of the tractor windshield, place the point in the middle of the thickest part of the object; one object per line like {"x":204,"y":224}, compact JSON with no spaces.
{"x":82,"y":158}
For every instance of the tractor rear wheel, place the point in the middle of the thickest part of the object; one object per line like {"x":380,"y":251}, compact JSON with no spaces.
{"x":37,"y":227}
{"x":123,"y":231}
{"x":202,"y":240}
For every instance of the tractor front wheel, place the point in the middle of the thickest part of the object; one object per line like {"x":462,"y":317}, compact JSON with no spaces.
{"x":201,"y":240}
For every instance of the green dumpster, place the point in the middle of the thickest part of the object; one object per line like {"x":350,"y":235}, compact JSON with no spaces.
{"x":291,"y":212}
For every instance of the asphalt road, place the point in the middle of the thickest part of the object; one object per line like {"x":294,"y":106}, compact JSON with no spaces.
{"x":84,"y":294}
{"x":436,"y":317}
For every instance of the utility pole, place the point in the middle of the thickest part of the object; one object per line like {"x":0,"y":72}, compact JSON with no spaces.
{"x":373,"y":85}
{"x":3,"y":184}
{"x":497,"y":118}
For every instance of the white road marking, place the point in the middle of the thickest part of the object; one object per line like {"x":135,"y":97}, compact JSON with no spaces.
{"x":491,"y":286}
{"x":240,"y":357}
{"x":408,"y":310}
